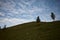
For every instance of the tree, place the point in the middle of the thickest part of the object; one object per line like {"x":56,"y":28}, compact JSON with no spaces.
{"x":52,"y":15}
{"x":4,"y":26}
{"x":38,"y":19}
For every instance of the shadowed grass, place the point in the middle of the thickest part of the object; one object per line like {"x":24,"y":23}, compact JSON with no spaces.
{"x":32,"y":31}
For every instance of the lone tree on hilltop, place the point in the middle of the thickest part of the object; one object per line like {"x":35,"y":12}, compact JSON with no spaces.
{"x":4,"y":26}
{"x":38,"y":19}
{"x":53,"y":16}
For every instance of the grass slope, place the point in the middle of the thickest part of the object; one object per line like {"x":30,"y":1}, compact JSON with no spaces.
{"x":32,"y":31}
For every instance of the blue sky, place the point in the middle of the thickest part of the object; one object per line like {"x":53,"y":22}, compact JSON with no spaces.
{"x":14,"y":12}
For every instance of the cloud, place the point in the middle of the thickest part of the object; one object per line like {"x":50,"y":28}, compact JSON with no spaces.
{"x":1,"y":14}
{"x":14,"y":21}
{"x":21,"y":11}
{"x":28,"y":2}
{"x":10,"y":8}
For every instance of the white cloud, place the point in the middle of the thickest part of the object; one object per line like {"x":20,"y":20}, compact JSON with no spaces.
{"x":11,"y":7}
{"x":1,"y":14}
{"x":14,"y":21}
{"x":28,"y":2}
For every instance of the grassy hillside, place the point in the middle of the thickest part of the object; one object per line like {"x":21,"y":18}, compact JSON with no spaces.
{"x":32,"y":31}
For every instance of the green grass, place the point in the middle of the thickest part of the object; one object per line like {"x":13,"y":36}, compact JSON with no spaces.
{"x":32,"y":31}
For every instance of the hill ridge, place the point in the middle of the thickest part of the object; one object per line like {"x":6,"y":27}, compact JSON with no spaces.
{"x":32,"y":31}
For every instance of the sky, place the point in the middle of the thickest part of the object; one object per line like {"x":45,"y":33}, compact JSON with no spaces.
{"x":13,"y":12}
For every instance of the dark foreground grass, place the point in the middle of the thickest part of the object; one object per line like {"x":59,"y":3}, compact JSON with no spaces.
{"x":32,"y":31}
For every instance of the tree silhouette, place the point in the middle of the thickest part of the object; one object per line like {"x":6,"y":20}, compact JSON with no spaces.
{"x":52,"y":15}
{"x":38,"y":19}
{"x":4,"y":26}
{"x":0,"y":27}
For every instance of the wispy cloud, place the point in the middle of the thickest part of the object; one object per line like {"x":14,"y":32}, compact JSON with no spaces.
{"x":24,"y":7}
{"x":1,"y":14}
{"x":19,"y":11}
{"x":13,"y":21}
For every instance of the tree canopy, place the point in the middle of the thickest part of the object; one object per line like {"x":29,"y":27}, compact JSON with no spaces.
{"x":52,"y":15}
